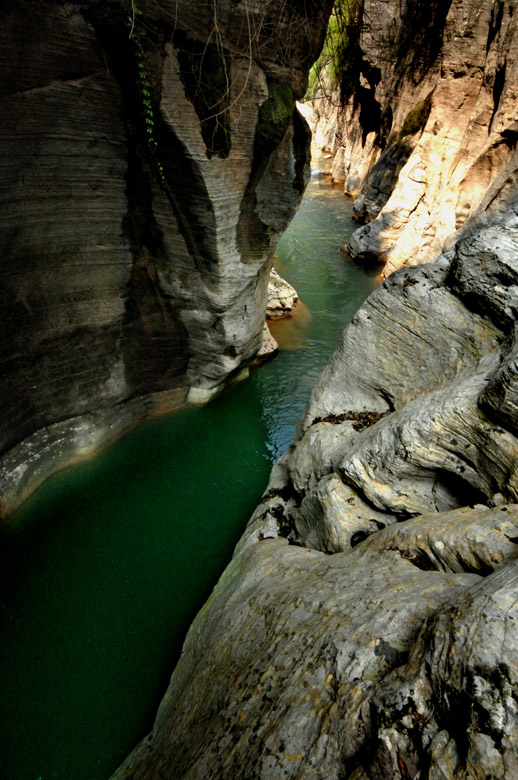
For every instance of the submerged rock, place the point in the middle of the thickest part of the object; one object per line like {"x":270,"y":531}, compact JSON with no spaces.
{"x":367,"y":627}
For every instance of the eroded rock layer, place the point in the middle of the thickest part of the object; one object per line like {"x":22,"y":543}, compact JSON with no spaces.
{"x":367,"y":627}
{"x":151,"y":157}
{"x":423,"y":128}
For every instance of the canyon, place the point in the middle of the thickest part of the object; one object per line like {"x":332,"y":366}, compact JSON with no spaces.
{"x":152,"y":157}
{"x":422,"y":127}
{"x":366,"y":627}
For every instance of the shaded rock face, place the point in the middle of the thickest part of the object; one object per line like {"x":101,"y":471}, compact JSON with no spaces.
{"x":424,"y":131}
{"x":151,"y":157}
{"x":367,"y":627}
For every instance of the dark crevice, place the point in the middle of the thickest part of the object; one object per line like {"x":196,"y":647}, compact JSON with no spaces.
{"x":510,"y":137}
{"x":463,"y":491}
{"x":362,"y":420}
{"x":287,"y":492}
{"x":205,"y":70}
{"x":274,"y":120}
{"x":153,"y":340}
{"x":498,"y":88}
{"x":360,"y":536}
{"x":285,"y":524}
{"x":370,"y":112}
{"x":301,"y":150}
{"x":418,"y":559}
{"x":497,"y":14}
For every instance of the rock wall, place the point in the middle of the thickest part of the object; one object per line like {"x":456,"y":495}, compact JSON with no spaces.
{"x":151,"y":157}
{"x":423,"y":129}
{"x":367,"y":627}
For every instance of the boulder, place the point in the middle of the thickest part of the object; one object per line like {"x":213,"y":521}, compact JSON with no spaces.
{"x":282,"y":297}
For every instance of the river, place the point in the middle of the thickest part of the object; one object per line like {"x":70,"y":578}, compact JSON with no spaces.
{"x":105,"y":566}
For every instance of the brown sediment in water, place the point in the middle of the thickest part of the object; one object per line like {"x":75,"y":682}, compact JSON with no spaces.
{"x":290,"y":332}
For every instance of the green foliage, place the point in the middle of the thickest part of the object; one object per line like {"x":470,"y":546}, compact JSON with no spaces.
{"x":274,"y":117}
{"x":417,"y":117}
{"x":277,"y":110}
{"x":144,"y":87}
{"x":338,"y":59}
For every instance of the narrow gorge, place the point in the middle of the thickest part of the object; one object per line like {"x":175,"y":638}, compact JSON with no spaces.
{"x":144,"y":148}
{"x":366,"y":627}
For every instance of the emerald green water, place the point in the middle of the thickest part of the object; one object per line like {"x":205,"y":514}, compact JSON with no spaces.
{"x":105,"y":566}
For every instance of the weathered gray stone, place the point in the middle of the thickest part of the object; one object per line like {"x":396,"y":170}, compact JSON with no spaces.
{"x":298,"y":643}
{"x":319,"y":452}
{"x":332,"y":517}
{"x":464,"y":661}
{"x":477,"y":539}
{"x":499,"y":398}
{"x":381,"y":649}
{"x":316,"y":663}
{"x":282,"y":297}
{"x":428,"y":456}
{"x":484,"y":272}
{"x":412,"y":334}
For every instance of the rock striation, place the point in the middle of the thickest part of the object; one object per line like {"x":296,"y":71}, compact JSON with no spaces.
{"x":424,"y":126}
{"x":151,"y":157}
{"x":367,"y":626}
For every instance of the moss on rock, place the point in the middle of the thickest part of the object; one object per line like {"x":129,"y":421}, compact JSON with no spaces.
{"x":275,"y":117}
{"x":417,"y":117}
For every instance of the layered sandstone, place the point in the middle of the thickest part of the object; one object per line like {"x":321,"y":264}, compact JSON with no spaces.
{"x":423,"y":128}
{"x":151,"y":157}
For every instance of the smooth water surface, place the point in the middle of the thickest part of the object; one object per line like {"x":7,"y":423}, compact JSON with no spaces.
{"x":105,"y":566}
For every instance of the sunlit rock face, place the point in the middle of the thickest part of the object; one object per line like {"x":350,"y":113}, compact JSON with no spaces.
{"x":367,"y":626}
{"x":424,"y":133}
{"x":150,"y":159}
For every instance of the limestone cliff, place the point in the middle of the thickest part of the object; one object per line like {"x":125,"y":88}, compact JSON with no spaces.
{"x":151,"y":157}
{"x":424,"y":125}
{"x":367,"y":627}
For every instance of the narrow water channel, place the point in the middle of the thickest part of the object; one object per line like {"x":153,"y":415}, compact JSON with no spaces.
{"x":105,"y":566}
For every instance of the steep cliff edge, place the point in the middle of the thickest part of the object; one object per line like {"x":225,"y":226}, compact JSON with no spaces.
{"x":424,"y":126}
{"x":367,"y":627}
{"x":151,"y":157}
